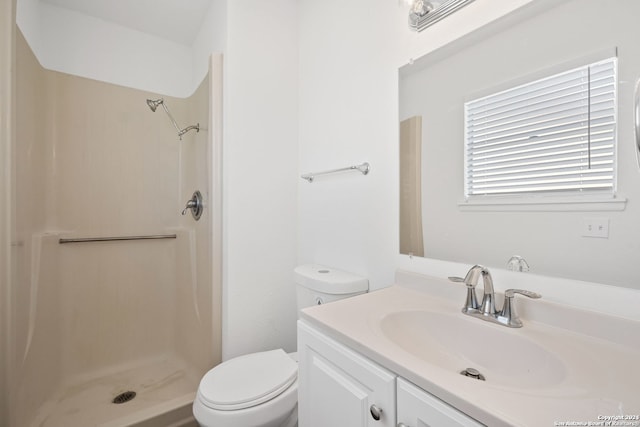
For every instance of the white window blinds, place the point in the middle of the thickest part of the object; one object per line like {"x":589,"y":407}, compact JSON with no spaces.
{"x":554,"y":135}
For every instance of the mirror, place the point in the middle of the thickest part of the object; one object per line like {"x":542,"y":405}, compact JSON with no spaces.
{"x":548,"y":233}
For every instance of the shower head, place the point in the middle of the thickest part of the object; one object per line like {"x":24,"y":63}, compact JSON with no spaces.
{"x":153,"y":104}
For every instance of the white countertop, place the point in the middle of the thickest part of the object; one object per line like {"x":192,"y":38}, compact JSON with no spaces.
{"x":600,"y":354}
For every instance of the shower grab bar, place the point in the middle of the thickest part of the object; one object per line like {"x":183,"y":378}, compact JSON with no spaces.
{"x":364,"y":168}
{"x":117,"y":238}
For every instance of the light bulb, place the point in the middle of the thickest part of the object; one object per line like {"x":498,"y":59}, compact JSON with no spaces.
{"x":422,"y":7}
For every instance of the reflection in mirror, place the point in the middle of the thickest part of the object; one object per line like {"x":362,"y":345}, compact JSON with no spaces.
{"x":552,"y":234}
{"x":411,"y":187}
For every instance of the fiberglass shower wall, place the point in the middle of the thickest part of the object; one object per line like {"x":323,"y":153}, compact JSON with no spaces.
{"x":93,"y":160}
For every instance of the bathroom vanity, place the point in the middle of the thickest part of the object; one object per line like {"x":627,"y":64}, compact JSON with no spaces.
{"x":394,"y":357}
{"x":342,"y":387}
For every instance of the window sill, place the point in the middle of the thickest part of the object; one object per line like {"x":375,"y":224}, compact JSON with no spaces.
{"x":546,"y":204}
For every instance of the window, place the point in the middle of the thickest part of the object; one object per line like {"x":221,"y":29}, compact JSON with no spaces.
{"x":556,"y":135}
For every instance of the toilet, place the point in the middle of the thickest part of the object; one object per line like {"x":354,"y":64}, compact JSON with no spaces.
{"x":261,"y":389}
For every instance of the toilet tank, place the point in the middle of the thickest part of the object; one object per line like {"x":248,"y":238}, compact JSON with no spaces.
{"x":318,"y":284}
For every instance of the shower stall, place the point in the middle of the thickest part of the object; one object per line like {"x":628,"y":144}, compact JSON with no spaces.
{"x":115,"y":294}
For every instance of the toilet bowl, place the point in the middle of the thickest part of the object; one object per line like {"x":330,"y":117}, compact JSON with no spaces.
{"x":254,"y":390}
{"x":261,"y":389}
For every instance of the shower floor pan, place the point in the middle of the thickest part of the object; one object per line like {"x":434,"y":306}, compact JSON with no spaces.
{"x":164,"y":394}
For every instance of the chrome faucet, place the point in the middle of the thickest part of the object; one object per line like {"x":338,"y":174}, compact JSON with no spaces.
{"x":487,"y":309}
{"x":488,"y":306}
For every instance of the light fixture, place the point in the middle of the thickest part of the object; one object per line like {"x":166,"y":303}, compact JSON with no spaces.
{"x":423,"y":13}
{"x":422,"y":7}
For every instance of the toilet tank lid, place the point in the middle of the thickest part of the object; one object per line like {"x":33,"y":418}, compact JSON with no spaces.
{"x":329,"y":280}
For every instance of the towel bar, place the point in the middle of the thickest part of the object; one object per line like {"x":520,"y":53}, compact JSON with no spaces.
{"x":364,"y":168}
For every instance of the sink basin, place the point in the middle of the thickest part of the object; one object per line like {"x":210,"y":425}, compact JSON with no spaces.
{"x":456,"y":342}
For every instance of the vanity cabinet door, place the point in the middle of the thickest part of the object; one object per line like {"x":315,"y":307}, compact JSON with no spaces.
{"x":338,"y":387}
{"x":417,"y":408}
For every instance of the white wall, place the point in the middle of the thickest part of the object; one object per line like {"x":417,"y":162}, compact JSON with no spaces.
{"x":211,"y":37}
{"x":350,"y":53}
{"x":82,"y":45}
{"x":260,"y":168}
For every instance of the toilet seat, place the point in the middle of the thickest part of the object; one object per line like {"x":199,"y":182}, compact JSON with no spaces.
{"x":248,"y":381}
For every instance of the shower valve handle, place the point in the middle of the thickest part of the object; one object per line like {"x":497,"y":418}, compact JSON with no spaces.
{"x":195,"y":205}
{"x":190,"y":205}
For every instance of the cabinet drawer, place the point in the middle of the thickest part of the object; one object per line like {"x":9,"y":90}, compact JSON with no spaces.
{"x":417,"y":408}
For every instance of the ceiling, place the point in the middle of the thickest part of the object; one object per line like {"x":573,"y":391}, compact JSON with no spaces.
{"x":175,"y":20}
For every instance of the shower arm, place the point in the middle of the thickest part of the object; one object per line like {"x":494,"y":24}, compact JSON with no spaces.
{"x":188,"y":128}
{"x":175,"y":124}
{"x":171,"y":117}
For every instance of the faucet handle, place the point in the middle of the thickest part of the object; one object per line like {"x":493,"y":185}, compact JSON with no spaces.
{"x":471,"y":303}
{"x":508,"y":315}
{"x":510,"y":293}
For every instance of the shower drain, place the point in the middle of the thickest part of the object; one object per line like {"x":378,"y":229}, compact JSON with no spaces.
{"x":124,"y":397}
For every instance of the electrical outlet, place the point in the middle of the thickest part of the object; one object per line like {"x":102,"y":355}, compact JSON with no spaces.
{"x":595,"y":227}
